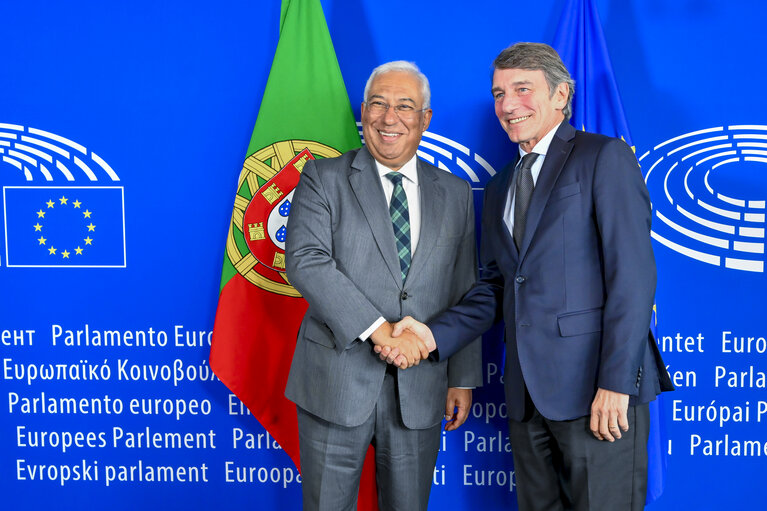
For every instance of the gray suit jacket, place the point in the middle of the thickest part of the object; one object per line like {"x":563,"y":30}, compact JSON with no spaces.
{"x":341,"y":256}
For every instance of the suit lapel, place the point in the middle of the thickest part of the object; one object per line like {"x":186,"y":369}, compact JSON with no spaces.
{"x":499,"y":198}
{"x":366,"y":185}
{"x":432,"y":215}
{"x":556,"y":156}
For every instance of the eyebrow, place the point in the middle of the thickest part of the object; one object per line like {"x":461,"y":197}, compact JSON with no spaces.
{"x":378,"y":96}
{"x":514,"y":84}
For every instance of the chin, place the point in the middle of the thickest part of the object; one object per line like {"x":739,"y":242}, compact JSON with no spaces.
{"x":517,"y":137}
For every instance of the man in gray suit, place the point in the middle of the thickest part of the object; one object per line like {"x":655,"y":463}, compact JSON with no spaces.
{"x":375,"y":235}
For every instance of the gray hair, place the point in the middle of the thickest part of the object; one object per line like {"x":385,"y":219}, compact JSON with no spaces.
{"x":405,"y":67}
{"x":538,"y":56}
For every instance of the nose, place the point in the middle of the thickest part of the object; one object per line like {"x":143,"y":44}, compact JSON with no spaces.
{"x":509,"y":103}
{"x":390,"y":116}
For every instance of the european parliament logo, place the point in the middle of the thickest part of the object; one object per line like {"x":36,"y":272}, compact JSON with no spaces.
{"x":48,"y":226}
{"x":708,"y":192}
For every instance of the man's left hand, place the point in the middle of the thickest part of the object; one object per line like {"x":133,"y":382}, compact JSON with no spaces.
{"x":609,"y":415}
{"x":457,"y":407}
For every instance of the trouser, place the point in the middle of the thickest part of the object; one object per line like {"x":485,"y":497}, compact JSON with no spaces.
{"x":332,"y":457}
{"x":560,"y":465}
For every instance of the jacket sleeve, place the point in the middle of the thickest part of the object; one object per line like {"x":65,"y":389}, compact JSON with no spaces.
{"x":333,"y":298}
{"x":622,"y":210}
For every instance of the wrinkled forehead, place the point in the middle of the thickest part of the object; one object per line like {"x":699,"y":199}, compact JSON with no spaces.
{"x":516,"y":74}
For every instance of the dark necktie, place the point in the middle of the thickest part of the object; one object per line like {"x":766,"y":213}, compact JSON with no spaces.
{"x":522,"y":194}
{"x":400,"y":219}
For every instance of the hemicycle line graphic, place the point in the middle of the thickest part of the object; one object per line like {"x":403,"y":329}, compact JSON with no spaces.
{"x":453,"y":157}
{"x":708,"y":194}
{"x":32,"y":150}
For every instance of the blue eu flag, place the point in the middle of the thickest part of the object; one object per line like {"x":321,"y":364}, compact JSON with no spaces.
{"x":48,"y":226}
{"x":580,"y":42}
{"x":597,"y":108}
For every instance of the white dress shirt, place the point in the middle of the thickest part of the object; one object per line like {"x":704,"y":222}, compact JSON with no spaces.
{"x":542,"y":147}
{"x":409,"y":172}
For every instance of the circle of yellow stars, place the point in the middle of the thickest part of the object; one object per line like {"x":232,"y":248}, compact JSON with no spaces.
{"x":63,"y":201}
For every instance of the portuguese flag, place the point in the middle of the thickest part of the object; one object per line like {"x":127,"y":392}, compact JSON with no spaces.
{"x":305,"y":113}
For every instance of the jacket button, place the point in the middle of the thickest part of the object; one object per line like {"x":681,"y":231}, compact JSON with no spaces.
{"x":520,"y":279}
{"x":404,"y":295}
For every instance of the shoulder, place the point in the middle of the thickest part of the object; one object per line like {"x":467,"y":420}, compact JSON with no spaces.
{"x":501,"y":177}
{"x":599,"y":142}
{"x":329,"y":172}
{"x":595,"y":150}
{"x":339,"y":162}
{"x":451,"y":182}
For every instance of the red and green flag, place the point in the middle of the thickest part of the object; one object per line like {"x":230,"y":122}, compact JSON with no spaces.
{"x":305,"y":113}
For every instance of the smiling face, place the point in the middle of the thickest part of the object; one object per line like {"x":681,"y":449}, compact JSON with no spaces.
{"x":390,"y":139}
{"x":524,"y":106}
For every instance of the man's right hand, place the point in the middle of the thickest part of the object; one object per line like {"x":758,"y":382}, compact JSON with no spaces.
{"x":409,"y":348}
{"x":406,"y":327}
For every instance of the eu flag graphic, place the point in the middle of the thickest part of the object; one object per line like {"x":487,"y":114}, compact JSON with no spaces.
{"x":579,"y":40}
{"x":78,"y":227}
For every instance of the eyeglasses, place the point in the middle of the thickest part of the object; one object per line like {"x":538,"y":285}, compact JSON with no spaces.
{"x":404,"y":111}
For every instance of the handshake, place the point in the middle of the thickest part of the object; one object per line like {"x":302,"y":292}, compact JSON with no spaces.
{"x":403,"y":344}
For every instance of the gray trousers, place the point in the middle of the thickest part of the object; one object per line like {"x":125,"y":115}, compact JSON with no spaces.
{"x":332,"y":458}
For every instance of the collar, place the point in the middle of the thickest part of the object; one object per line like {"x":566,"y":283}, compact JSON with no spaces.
{"x":409,"y":170}
{"x":542,"y":147}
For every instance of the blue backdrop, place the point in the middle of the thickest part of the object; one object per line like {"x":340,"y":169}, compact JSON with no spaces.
{"x":130,"y":121}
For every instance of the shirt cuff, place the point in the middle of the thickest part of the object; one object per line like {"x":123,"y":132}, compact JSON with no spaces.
{"x":364,"y":336}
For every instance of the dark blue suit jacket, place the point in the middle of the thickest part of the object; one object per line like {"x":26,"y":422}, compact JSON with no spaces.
{"x":577,"y":297}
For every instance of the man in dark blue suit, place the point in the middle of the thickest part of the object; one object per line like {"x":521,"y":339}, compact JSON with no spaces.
{"x":568,"y":264}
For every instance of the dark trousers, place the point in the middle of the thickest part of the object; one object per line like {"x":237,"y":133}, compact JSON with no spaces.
{"x":561,"y":466}
{"x":332,"y":458}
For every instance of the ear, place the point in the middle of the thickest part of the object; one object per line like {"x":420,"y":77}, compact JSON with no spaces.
{"x":426,"y":119}
{"x":561,"y":95}
{"x":362,"y":109}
